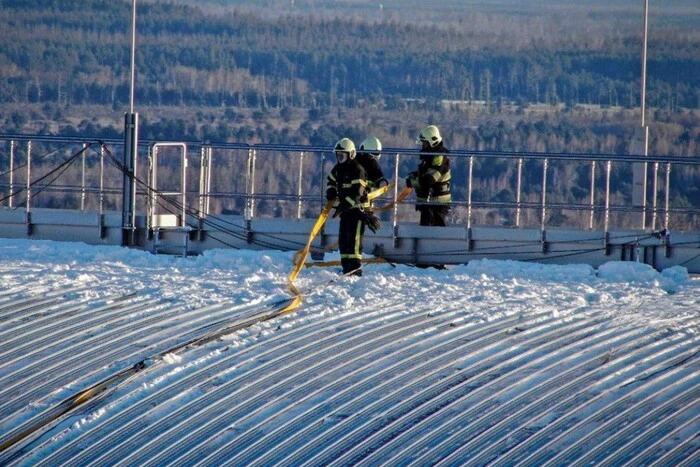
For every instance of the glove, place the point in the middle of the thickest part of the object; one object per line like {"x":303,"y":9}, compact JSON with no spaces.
{"x":412,"y":180}
{"x":371,"y":221}
{"x":382,"y":182}
{"x":331,"y":193}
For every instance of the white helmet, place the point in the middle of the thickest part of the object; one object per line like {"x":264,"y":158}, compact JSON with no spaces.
{"x":430,"y":135}
{"x":372,"y":146}
{"x":344,"y":149}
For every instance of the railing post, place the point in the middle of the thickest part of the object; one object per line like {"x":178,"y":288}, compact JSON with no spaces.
{"x":100,"y":201}
{"x":668,"y":190}
{"x":470,"y":189}
{"x":27,"y":212}
{"x":204,"y":188}
{"x":590,"y":221}
{"x":395,"y":210}
{"x":544,"y":192}
{"x":29,"y":176}
{"x":202,"y":176}
{"x":152,"y":184}
{"x":608,"y":169}
{"x":252,"y":155}
{"x":12,"y":173}
{"x":102,"y":178}
{"x":204,"y":180}
{"x":518,"y":193}
{"x":183,"y":184}
{"x":82,"y":178}
{"x":302,"y":155}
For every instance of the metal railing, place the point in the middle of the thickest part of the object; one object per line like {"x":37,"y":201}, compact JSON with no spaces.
{"x":489,"y":188}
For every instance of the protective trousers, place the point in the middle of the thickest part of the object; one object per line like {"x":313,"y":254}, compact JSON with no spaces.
{"x":433,"y":215}
{"x":350,"y":234}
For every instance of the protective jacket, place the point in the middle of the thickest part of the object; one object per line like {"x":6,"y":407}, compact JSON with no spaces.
{"x":375,"y":175}
{"x":432,"y":179}
{"x":348,"y":183}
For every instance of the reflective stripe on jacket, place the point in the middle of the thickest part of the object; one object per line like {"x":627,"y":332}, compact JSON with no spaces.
{"x":434,"y":177}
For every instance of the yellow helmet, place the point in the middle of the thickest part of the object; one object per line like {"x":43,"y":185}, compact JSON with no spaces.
{"x":372,"y":146}
{"x":344,"y":149}
{"x":430,"y":135}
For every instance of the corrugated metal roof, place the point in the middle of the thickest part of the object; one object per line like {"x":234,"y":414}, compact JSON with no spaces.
{"x":384,"y":385}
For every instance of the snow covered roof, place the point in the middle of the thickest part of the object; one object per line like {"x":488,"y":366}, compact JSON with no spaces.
{"x":492,"y":362}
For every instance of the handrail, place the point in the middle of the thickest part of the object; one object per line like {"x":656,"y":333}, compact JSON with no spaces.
{"x":243,"y":192}
{"x":387,"y":150}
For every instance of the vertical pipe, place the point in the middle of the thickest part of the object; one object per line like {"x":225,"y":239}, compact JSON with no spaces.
{"x":644,"y":178}
{"x":608,"y":169}
{"x":131,"y":128}
{"x":544,"y":193}
{"x":590,"y":221}
{"x":640,"y":143}
{"x":29,"y":175}
{"x":133,"y":57}
{"x":131,"y":137}
{"x":470,"y":189}
{"x":644,"y":63}
{"x":518,"y":193}
{"x":645,"y":129}
{"x":82,"y":178}
{"x":12,"y":173}
{"x":300,"y":179}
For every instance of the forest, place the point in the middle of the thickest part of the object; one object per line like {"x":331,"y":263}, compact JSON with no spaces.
{"x":546,"y":77}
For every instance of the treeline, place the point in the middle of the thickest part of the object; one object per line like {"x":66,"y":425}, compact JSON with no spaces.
{"x":73,"y":53}
{"x":489,"y":85}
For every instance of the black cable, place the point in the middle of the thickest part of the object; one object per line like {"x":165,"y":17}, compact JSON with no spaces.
{"x":41,"y":157}
{"x":60,"y":168}
{"x":241,"y":234}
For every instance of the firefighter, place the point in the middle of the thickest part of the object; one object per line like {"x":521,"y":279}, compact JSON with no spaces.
{"x":431,"y":181}
{"x":368,"y":155}
{"x":347,"y":183}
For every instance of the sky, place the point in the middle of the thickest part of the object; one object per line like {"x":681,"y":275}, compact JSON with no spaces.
{"x":206,"y":290}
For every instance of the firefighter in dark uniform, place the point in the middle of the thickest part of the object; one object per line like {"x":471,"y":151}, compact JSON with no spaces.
{"x":347,"y":183}
{"x":368,"y":156}
{"x":432,"y":179}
